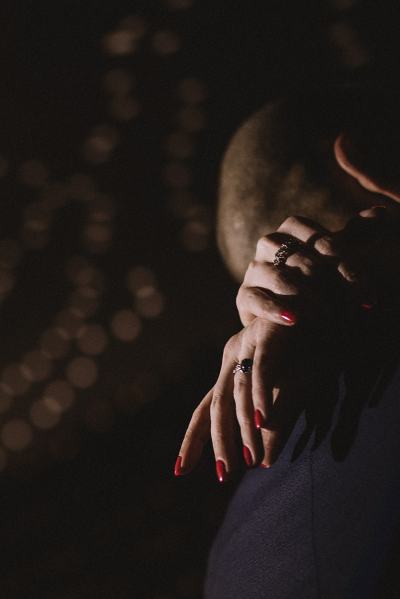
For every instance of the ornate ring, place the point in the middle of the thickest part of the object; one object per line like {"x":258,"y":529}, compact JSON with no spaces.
{"x":286,"y":249}
{"x":245,"y":366}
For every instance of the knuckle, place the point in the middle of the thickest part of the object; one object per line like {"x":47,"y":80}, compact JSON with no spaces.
{"x":289,"y":223}
{"x":217,"y":403}
{"x":229,"y":346}
{"x":263,"y":243}
{"x":307,"y":266}
{"x":240,"y":381}
{"x":325,"y":245}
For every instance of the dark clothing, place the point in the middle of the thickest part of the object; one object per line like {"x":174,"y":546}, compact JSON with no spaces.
{"x":323,"y":522}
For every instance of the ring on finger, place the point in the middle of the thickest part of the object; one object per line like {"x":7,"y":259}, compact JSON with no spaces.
{"x":244,"y":366}
{"x":286,"y":249}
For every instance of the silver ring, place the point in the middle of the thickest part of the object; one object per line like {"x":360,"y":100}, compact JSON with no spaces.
{"x":286,"y":249}
{"x":245,"y":366}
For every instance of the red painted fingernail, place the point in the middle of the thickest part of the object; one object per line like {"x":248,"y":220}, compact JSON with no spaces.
{"x":288,"y":316}
{"x":178,"y":466}
{"x":264,"y":465}
{"x":258,"y":419}
{"x":221,"y":472}
{"x":248,"y":458}
{"x":367,"y":306}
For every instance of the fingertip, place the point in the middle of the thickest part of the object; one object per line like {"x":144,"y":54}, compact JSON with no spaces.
{"x":178,"y":466}
{"x":247,"y":456}
{"x":288,"y":317}
{"x":258,"y":419}
{"x":373,"y":212}
{"x":221,"y":471}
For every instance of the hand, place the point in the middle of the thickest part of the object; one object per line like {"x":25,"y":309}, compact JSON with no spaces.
{"x":237,"y":398}
{"x":256,"y":401}
{"x":362,"y":253}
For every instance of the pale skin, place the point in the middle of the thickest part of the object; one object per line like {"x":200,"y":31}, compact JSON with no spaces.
{"x":271,"y":301}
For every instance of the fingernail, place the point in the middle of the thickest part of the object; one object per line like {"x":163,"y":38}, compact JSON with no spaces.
{"x":367,"y":306}
{"x":288,"y":316}
{"x":178,"y":466}
{"x":221,"y":472}
{"x":248,"y":458}
{"x":258,"y":419}
{"x":265,"y":465}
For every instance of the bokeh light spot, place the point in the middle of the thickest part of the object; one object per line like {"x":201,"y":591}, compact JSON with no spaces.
{"x":195,"y":236}
{"x":16,"y":434}
{"x":14,"y":379}
{"x":36,"y":365}
{"x":149,"y":302}
{"x":125,"y":325}
{"x":42,"y":416}
{"x":81,"y":372}
{"x":139,"y":277}
{"x":92,"y":339}
{"x":120,"y":42}
{"x":68,"y":324}
{"x":59,"y":396}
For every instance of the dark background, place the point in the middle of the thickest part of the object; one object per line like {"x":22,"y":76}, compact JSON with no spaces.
{"x":89,"y":505}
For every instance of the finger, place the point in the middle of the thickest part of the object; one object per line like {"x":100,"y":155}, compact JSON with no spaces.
{"x":196,"y":436}
{"x":222,"y":412}
{"x":282,"y":418}
{"x":374,"y":212}
{"x":267,"y":356}
{"x":267,"y":276}
{"x":304,"y":258}
{"x":309,"y":232}
{"x":243,"y":401}
{"x":260,"y":302}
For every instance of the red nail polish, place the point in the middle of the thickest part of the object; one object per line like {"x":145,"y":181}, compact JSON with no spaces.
{"x":288,"y":316}
{"x":221,"y":472}
{"x":367,"y":306}
{"x":258,"y":419}
{"x":248,"y":458}
{"x":178,"y":466}
{"x":264,"y":465}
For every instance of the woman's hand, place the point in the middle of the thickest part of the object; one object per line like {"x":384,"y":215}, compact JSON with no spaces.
{"x":243,"y":398}
{"x":269,"y":298}
{"x":362,"y":253}
{"x":257,"y":401}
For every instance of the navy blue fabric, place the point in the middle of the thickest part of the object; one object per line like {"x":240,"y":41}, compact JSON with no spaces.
{"x":323,"y":522}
